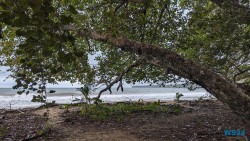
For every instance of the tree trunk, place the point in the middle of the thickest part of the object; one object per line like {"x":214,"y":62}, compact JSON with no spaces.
{"x":223,"y":89}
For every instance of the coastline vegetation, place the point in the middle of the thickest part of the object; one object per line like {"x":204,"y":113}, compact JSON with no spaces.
{"x":120,"y":110}
{"x":49,"y":41}
{"x":203,"y":42}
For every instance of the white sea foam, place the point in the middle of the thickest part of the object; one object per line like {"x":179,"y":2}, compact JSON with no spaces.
{"x":63,"y":96}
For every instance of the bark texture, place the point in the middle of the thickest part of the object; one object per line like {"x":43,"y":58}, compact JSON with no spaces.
{"x":223,"y":89}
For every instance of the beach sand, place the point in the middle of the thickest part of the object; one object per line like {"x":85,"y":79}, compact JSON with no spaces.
{"x":199,"y":120}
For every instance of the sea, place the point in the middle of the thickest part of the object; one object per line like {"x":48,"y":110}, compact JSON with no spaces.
{"x":9,"y":99}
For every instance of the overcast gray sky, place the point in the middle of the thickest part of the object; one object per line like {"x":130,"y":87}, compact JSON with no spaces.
{"x":8,"y":83}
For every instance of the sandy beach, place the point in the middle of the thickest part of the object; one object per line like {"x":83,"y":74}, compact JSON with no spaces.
{"x":198,"y":120}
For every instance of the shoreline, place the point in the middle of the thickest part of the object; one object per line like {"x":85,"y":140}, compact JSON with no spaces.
{"x":77,"y":104}
{"x":106,"y":99}
{"x":67,"y":96}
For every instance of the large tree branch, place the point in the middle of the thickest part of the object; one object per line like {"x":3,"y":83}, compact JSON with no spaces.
{"x":119,"y":78}
{"x":221,"y":88}
{"x":214,"y":83}
{"x":245,"y":87}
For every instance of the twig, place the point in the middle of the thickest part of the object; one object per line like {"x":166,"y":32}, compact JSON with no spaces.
{"x":10,"y":104}
{"x":88,"y":43}
{"x":120,"y":5}
{"x":21,"y":112}
{"x":240,"y":72}
{"x":46,"y":131}
{"x":119,"y":78}
{"x":120,"y":86}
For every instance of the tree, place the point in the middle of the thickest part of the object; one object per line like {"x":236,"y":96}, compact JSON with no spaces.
{"x":205,"y":42}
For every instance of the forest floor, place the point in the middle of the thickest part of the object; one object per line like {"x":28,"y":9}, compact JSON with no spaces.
{"x":203,"y":120}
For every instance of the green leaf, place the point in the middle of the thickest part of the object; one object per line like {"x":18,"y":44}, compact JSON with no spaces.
{"x":20,"y":32}
{"x":4,"y":6}
{"x":72,"y":9}
{"x":52,"y":91}
{"x":66,"y":19}
{"x":35,"y":4}
{"x":19,"y":92}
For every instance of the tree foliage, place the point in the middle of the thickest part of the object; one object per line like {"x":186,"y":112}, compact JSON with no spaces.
{"x":46,"y":41}
{"x":38,"y":50}
{"x":216,"y":39}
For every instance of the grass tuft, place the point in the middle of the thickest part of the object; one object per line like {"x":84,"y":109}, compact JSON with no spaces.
{"x":119,"y":111}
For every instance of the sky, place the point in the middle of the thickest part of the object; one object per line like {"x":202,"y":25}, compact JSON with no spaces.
{"x":3,"y":82}
{"x":8,"y":83}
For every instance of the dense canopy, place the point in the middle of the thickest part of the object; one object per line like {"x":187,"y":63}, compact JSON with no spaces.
{"x":205,"y":42}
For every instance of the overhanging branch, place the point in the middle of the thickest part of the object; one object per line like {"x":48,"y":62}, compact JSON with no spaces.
{"x":217,"y":85}
{"x":119,"y":78}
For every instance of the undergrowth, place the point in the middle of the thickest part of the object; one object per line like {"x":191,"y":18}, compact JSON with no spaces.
{"x":120,"y":110}
{"x":3,"y":133}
